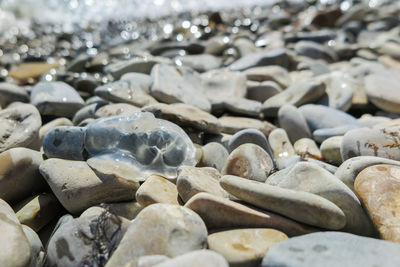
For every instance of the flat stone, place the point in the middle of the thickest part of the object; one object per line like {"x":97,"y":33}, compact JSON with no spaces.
{"x":378,"y":187}
{"x":12,"y":93}
{"x":174,"y":231}
{"x":31,"y":70}
{"x":301,"y":206}
{"x":119,"y":109}
{"x":141,"y":79}
{"x":249,"y":161}
{"x":197,"y":258}
{"x":330,"y":149}
{"x":315,"y":51}
{"x":178,"y":85}
{"x":232,"y":125}
{"x":222,"y":213}
{"x":136,"y":64}
{"x":192,"y":180}
{"x":245,"y":247}
{"x":308,"y":177}
{"x":261,"y":91}
{"x":378,"y":142}
{"x":240,"y":106}
{"x":333,"y":249}
{"x":213,"y":155}
{"x":307,"y":148}
{"x":157,"y":189}
{"x":65,"y":142}
{"x":200,"y":63}
{"x":78,"y":187}
{"x":19,"y":174}
{"x":321,"y":135}
{"x":15,"y":247}
{"x":186,"y":116}
{"x":349,"y":169}
{"x":269,"y":73}
{"x":56,"y":98}
{"x":20,"y":126}
{"x":293,"y":121}
{"x":274,"y":57}
{"x":382,"y":91}
{"x":302,"y":92}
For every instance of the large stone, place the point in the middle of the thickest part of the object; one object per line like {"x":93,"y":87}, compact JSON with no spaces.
{"x":378,"y":187}
{"x":333,"y":249}
{"x":157,"y":189}
{"x":280,"y":144}
{"x":261,"y":91}
{"x":135,"y":64}
{"x":245,"y":247}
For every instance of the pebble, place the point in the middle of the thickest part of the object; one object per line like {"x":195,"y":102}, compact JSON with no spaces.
{"x":381,"y":91}
{"x":261,"y":91}
{"x":135,"y":64}
{"x":276,"y":74}
{"x":292,"y":120}
{"x":330,"y":149}
{"x":213,"y":155}
{"x":51,"y":125}
{"x":232,"y":125}
{"x":200,"y":63}
{"x":119,"y":109}
{"x":333,"y":249}
{"x":31,"y":70}
{"x":157,"y":189}
{"x":65,"y":142}
{"x":280,"y":144}
{"x":321,"y":135}
{"x":197,"y":258}
{"x":37,"y":250}
{"x":12,"y":93}
{"x":278,"y":57}
{"x":245,"y":247}
{"x":378,"y":188}
{"x":252,"y":136}
{"x":307,"y":148}
{"x":315,"y":51}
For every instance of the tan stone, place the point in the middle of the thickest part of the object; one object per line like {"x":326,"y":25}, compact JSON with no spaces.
{"x":157,"y":189}
{"x":378,"y":187}
{"x":31,"y":70}
{"x":232,"y":125}
{"x":307,"y":148}
{"x":118,"y":109}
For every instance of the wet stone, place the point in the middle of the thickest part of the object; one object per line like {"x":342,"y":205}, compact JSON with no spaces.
{"x":65,"y":142}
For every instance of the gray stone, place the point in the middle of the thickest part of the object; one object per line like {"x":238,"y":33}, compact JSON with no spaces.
{"x":65,"y":142}
{"x":214,"y":155}
{"x":85,"y":113}
{"x":293,"y":121}
{"x":280,"y":144}
{"x":141,"y":79}
{"x":329,"y":167}
{"x":197,"y":258}
{"x":261,"y":91}
{"x":307,"y":148}
{"x":200,"y":63}
{"x":270,"y":73}
{"x":12,"y":93}
{"x":120,"y":109}
{"x":51,"y":125}
{"x":330,"y":150}
{"x":241,"y":106}
{"x":232,"y":125}
{"x":274,"y":57}
{"x":252,"y":136}
{"x":315,"y":51}
{"x":37,"y":250}
{"x":333,"y":249}
{"x":321,"y":135}
{"x":136,"y":64}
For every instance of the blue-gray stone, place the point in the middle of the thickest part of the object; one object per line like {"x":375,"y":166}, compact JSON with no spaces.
{"x":252,"y":136}
{"x":321,"y":135}
{"x":65,"y":142}
{"x":274,"y":57}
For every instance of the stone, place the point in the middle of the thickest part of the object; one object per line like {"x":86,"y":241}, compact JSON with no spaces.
{"x":269,"y":73}
{"x":240,"y":106}
{"x":157,"y":189}
{"x":244,"y":46}
{"x":141,"y":79}
{"x":38,"y":211}
{"x":186,"y":116}
{"x":56,"y":98}
{"x":293,"y":121}
{"x":12,"y":93}
{"x":125,"y":91}
{"x":135,"y":64}
{"x":19,"y":174}
{"x":315,"y":51}
{"x":333,"y":249}
{"x":330,"y":149}
{"x":20,"y":126}
{"x":150,"y":260}
{"x":320,"y":117}
{"x":329,"y":167}
{"x":378,"y":142}
{"x":301,"y":206}
{"x":278,"y":57}
{"x":307,"y":148}
{"x":87,"y":112}
{"x":178,"y":85}
{"x":15,"y":247}
{"x":31,"y":70}
{"x":197,"y":258}
{"x":261,"y":91}
{"x":371,"y":121}
{"x":51,"y":125}
{"x":65,"y":142}
{"x":128,"y":210}
{"x":245,"y":247}
{"x":220,"y":213}
{"x":382,"y":91}
{"x":37,"y":250}
{"x":349,"y":169}
{"x":321,"y":135}
{"x":252,"y":136}
{"x":88,"y":240}
{"x":249,"y":161}
{"x":174,"y":231}
{"x":280,"y":144}
{"x":213,"y":155}
{"x":119,"y":109}
{"x":77,"y":186}
{"x":141,"y":143}
{"x":308,"y":177}
{"x":232,"y":125}
{"x":378,"y":188}
{"x":192,"y":180}
{"x":297,"y":94}
{"x":200,"y":63}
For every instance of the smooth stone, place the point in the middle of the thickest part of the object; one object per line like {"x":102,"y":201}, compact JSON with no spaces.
{"x":244,"y":46}
{"x":141,"y":79}
{"x":371,"y":121}
{"x":382,"y":91}
{"x":213,"y":155}
{"x":51,"y":125}
{"x":56,"y":98}
{"x":222,"y":213}
{"x":315,"y":51}
{"x":31,"y":70}
{"x":349,"y":169}
{"x":330,"y":149}
{"x":301,"y":206}
{"x":128,"y":210}
{"x":86,"y":112}
{"x":200,"y":63}
{"x":119,"y":109}
{"x":86,"y":122}
{"x":178,"y":85}
{"x":217,"y":44}
{"x":136,"y":64}
{"x":12,"y":93}
{"x":302,"y":92}
{"x":378,"y":142}
{"x":252,"y":136}
{"x":175,"y":230}
{"x":192,"y":181}
{"x":157,"y":189}
{"x":321,"y":135}
{"x":280,"y":144}
{"x":15,"y":248}
{"x":20,"y":126}
{"x":197,"y":258}
{"x":125,"y":91}
{"x":320,"y":117}
{"x":262,"y":91}
{"x":278,"y":57}
{"x":249,"y":161}
{"x":19,"y":174}
{"x":38,"y":211}
{"x":276,"y":74}
{"x":77,"y":186}
{"x":333,"y":249}
{"x":378,"y":188}
{"x":293,"y":121}
{"x":149,"y":261}
{"x":240,"y":106}
{"x":186,"y":116}
{"x":286,"y":162}
{"x":307,"y":148}
{"x":37,"y":250}
{"x":245,"y":247}
{"x":232,"y":125}
{"x":329,"y":167}
{"x":88,"y":240}
{"x":65,"y":142}
{"x":308,"y":177}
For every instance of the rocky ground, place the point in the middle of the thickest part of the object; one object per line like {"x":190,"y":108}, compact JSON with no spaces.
{"x":256,"y":137}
